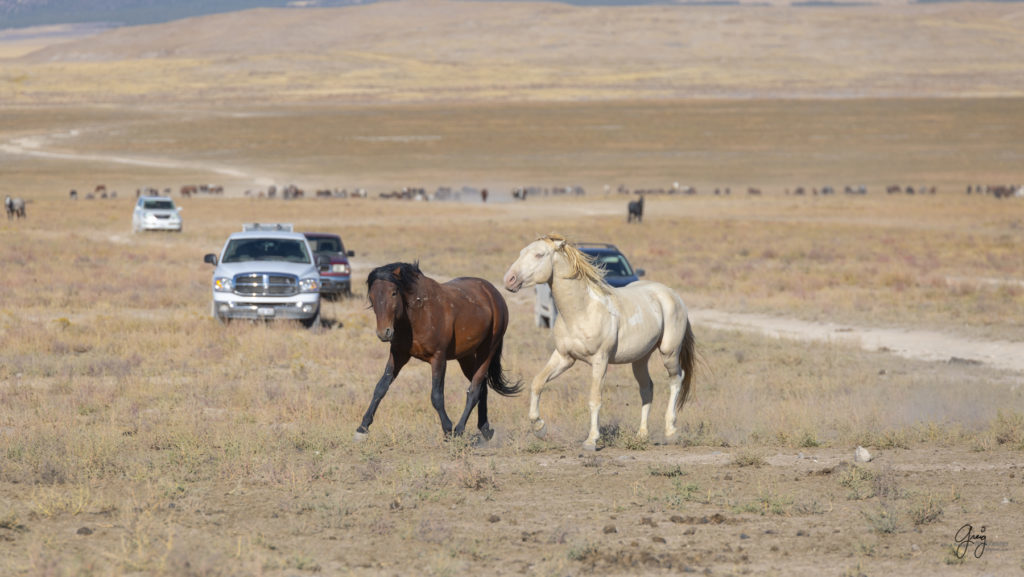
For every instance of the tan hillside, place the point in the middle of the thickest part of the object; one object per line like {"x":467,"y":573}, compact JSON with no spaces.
{"x":426,"y":51}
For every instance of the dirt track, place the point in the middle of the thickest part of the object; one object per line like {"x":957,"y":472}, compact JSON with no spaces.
{"x":912,"y":344}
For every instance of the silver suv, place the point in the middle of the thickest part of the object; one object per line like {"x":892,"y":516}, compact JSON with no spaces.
{"x":265,"y":272}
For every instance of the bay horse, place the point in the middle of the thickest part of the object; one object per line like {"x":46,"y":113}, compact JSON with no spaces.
{"x":601,"y":325}
{"x":463,"y":319}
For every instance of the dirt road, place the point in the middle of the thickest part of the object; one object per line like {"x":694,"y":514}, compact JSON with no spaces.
{"x":913,"y":344}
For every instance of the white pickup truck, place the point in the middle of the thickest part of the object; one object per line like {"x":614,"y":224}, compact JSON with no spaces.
{"x":266,"y":272}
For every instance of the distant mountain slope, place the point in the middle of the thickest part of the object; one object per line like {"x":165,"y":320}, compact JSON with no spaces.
{"x":445,"y":50}
{"x":21,"y":13}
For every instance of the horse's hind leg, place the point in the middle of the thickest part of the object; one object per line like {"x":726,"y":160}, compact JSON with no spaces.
{"x":643,"y":380}
{"x":675,"y":385}
{"x":476,"y":395}
{"x":481,"y":415}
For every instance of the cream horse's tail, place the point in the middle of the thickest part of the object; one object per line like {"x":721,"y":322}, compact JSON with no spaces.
{"x":687,"y":359}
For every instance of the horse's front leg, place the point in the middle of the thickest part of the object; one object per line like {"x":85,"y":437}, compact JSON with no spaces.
{"x":557,"y":364}
{"x":391,"y":370}
{"x":438,"y":365}
{"x":599,"y":366}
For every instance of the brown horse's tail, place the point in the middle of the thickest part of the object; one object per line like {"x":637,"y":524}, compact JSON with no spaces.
{"x":687,"y":359}
{"x":496,"y":378}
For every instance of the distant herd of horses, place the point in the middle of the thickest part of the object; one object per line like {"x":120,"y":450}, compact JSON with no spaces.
{"x":522,"y":193}
{"x":15,"y":207}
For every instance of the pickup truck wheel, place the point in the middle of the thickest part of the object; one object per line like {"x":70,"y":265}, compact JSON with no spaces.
{"x":313,"y":323}
{"x":213,"y":312}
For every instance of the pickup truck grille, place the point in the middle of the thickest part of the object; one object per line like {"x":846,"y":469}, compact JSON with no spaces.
{"x":266,"y":285}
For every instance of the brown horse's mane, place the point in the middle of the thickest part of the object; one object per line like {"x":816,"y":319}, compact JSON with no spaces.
{"x":582,"y":264}
{"x":404,"y":275}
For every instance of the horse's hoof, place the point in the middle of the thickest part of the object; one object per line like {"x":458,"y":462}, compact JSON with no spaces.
{"x":540,"y":428}
{"x":588,"y":446}
{"x":486,"y":431}
{"x":359,"y":436}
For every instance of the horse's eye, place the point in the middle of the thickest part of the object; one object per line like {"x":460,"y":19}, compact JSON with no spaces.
{"x":394,"y":293}
{"x":539,"y":255}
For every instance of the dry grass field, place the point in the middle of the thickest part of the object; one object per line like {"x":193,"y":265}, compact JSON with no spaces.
{"x":140,"y":437}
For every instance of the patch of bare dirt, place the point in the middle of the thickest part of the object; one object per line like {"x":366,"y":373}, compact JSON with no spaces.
{"x":667,"y":510}
{"x":912,"y":344}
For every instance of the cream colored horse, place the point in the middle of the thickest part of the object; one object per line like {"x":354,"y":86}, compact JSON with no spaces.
{"x":601,"y":325}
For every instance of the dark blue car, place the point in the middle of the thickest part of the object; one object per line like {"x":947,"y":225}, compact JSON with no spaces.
{"x":617,"y":270}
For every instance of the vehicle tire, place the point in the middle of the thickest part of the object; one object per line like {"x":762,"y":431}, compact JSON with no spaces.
{"x":220,"y":320}
{"x":313,"y":323}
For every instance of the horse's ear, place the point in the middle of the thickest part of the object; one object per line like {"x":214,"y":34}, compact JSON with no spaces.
{"x":397,"y":272}
{"x":559,"y":244}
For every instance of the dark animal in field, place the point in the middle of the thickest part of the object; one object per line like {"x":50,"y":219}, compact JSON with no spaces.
{"x":463,"y":319}
{"x":73,"y":195}
{"x":15,"y":207}
{"x":635,"y":210}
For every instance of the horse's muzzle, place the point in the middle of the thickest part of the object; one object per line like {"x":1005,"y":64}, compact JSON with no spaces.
{"x":386,"y":335}
{"x":512,"y":282}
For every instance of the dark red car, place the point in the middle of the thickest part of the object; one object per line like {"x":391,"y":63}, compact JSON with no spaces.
{"x":336,"y":278}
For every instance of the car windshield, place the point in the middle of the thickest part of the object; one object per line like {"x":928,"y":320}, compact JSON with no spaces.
{"x":613,"y":265}
{"x":326,"y":244}
{"x":158,"y":205}
{"x":249,"y":249}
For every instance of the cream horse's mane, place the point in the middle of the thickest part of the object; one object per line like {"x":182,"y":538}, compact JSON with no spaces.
{"x":581,"y":264}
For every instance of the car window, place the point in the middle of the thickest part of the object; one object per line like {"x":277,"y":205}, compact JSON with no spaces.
{"x":326,"y":244}
{"x":250,"y":249}
{"x":159,"y":205}
{"x":614,"y":265}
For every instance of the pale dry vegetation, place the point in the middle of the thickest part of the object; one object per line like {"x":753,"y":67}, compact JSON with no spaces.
{"x":192,"y":448}
{"x":140,"y":437}
{"x":429,"y":51}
